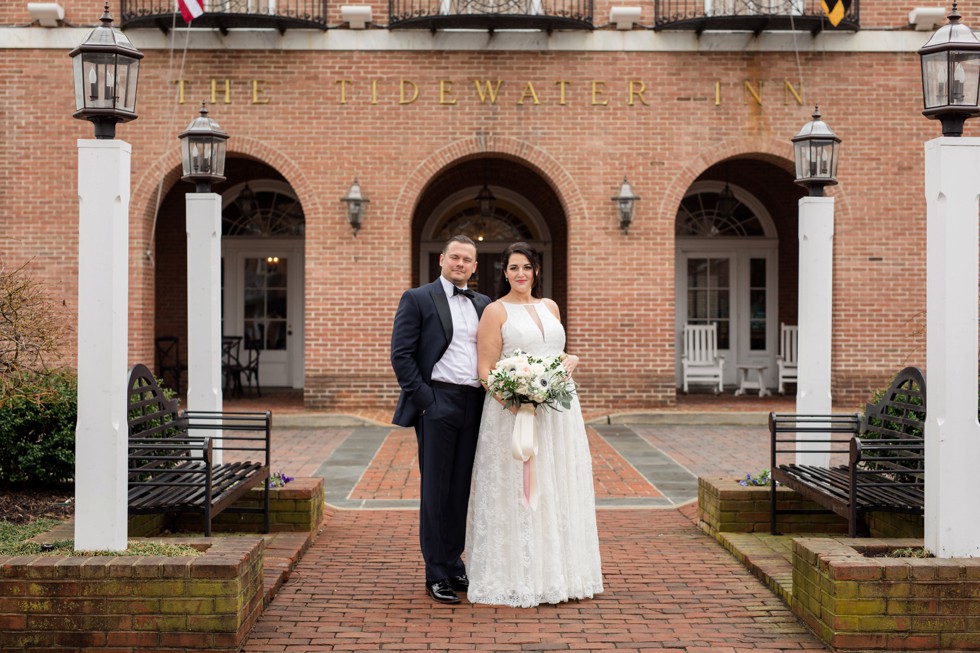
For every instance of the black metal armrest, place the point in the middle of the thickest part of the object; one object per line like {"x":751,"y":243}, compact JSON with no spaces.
{"x":235,"y":431}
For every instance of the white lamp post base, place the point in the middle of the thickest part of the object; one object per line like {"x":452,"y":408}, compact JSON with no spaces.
{"x":101,"y":434}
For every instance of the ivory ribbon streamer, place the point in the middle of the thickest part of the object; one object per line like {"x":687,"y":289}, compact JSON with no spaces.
{"x":524,"y":446}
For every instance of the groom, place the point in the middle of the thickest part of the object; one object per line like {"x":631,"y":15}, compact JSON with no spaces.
{"x":433,"y":353}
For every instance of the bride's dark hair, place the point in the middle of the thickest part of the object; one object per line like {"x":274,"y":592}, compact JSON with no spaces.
{"x":503,"y":286}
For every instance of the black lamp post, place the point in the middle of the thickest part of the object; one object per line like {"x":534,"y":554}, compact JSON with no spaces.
{"x":951,"y":75}
{"x":815,"y":150}
{"x":355,"y":206}
{"x":626,"y":205}
{"x":202,"y":150}
{"x":106,"y":70}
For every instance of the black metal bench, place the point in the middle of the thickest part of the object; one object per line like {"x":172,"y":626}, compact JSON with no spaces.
{"x":171,"y":467}
{"x":885,"y":451}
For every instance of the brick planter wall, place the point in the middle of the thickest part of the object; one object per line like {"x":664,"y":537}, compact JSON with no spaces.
{"x":132,"y":603}
{"x":295,"y":507}
{"x":725,"y":506}
{"x":872,"y":603}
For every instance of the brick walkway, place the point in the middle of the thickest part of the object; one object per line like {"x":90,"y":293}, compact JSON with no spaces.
{"x":668,"y":586}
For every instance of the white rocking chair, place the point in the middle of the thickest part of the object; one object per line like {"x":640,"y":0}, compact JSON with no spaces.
{"x":789,"y":348}
{"x":701,"y":362}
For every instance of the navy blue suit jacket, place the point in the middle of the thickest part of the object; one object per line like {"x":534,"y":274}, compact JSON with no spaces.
{"x":422,"y":331}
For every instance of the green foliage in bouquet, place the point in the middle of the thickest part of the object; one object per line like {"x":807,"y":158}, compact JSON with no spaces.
{"x":524,"y":379}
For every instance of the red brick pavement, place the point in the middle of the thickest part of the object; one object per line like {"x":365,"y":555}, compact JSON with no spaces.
{"x":668,"y":588}
{"x":394,"y":472}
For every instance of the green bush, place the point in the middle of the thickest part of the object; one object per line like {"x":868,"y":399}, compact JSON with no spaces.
{"x":37,"y":429}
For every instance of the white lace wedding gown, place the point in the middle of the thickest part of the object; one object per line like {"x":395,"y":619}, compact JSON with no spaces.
{"x":517,"y":556}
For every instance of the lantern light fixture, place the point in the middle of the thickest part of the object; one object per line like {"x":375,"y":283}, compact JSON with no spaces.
{"x":815,"y":150}
{"x":951,"y":75}
{"x":355,"y":206}
{"x":203,"y":146}
{"x":626,"y":205}
{"x":105,"y":69}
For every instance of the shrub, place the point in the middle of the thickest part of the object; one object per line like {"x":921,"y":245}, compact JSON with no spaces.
{"x":37,"y":429}
{"x":38,"y":398}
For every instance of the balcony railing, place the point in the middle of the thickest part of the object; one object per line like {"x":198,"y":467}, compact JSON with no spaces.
{"x":491,"y":15}
{"x":751,"y":15}
{"x":227,"y":14}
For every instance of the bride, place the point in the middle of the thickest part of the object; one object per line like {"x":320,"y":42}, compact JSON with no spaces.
{"x":519,"y":555}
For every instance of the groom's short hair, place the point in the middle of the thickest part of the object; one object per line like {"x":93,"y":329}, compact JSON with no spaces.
{"x":458,"y":238}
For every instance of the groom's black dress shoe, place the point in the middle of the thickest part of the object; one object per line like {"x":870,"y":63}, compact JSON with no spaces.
{"x":459,"y":583}
{"x":441,"y":591}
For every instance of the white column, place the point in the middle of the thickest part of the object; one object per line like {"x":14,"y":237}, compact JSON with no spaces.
{"x":204,"y":382}
{"x":952,"y":521}
{"x":816,"y":277}
{"x":101,"y":434}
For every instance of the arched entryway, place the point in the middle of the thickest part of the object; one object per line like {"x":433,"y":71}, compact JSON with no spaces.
{"x":262,"y":268}
{"x":736,"y":261}
{"x":524,"y":207}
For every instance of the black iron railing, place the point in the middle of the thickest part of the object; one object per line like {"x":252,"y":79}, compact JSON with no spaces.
{"x":227,"y":14}
{"x":491,"y":14}
{"x":752,"y":15}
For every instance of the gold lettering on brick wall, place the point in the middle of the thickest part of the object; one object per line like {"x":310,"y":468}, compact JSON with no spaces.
{"x":789,"y":89}
{"x":401,"y":88}
{"x":258,"y":91}
{"x":752,"y":91}
{"x":445,"y":90}
{"x":343,"y":89}
{"x":486,"y":91}
{"x":214,"y":91}
{"x":636,"y":90}
{"x":561,"y":84}
{"x":529,"y":91}
{"x":490,"y":91}
{"x":181,"y":85}
{"x":597,"y":89}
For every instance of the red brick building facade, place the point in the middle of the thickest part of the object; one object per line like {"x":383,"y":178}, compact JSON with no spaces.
{"x":551,"y":122}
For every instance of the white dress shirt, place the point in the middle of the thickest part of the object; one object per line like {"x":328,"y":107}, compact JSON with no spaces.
{"x":458,"y":364}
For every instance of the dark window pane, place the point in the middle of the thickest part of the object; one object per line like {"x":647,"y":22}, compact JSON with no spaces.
{"x":757,"y":272}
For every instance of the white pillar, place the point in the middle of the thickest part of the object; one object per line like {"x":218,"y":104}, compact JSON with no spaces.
{"x":101,"y":433}
{"x":952,"y":520}
{"x":204,"y":381}
{"x":816,"y":277}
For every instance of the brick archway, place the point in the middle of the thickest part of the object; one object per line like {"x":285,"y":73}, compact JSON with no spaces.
{"x":497,"y":146}
{"x":148,"y":194}
{"x":545,"y":190}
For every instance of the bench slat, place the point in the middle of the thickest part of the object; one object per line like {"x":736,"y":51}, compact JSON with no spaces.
{"x":170,"y":466}
{"x":886,"y":463}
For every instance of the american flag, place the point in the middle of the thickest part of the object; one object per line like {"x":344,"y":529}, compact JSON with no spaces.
{"x":190,"y":9}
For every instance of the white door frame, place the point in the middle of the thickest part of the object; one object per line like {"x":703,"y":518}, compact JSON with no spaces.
{"x":739,"y":251}
{"x":275,"y":368}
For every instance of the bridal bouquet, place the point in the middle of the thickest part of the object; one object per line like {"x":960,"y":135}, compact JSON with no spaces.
{"x":524,"y":379}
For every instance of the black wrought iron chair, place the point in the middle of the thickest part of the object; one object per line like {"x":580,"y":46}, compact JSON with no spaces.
{"x":250,"y":369}
{"x":169,"y":363}
{"x":231,"y":365}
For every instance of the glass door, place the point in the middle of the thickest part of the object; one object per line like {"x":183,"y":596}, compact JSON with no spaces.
{"x":709,"y":294}
{"x":263,"y":303}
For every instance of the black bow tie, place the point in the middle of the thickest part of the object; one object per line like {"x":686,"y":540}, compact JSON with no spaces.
{"x":466,"y":292}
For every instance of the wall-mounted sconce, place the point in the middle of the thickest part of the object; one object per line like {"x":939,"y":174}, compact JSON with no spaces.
{"x":356,"y":16}
{"x":626,"y":203}
{"x":355,"y":206}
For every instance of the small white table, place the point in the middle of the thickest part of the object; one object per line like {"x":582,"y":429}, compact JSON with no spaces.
{"x":745,"y":383}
